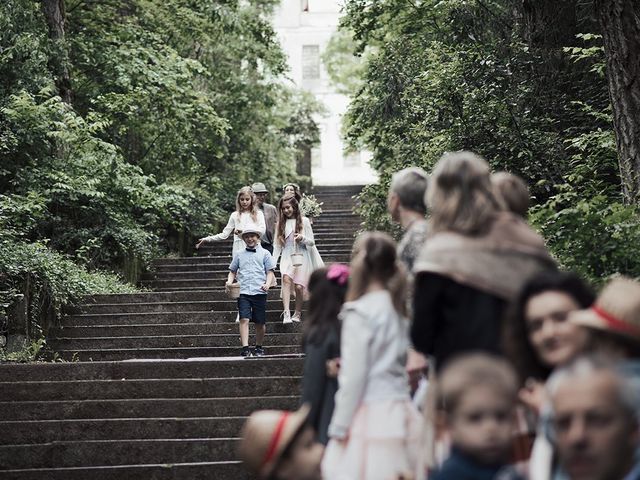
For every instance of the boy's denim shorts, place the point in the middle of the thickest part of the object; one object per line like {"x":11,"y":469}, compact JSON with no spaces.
{"x":253,"y":307}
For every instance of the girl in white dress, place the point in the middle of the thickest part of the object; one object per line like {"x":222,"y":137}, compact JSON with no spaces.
{"x":375,"y":432}
{"x":294,"y":236}
{"x":247,"y":215}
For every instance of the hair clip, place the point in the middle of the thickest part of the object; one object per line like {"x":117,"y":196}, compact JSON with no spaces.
{"x":339,"y":273}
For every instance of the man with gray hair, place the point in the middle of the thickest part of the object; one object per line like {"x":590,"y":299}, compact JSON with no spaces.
{"x":270,"y":215}
{"x":406,"y":206}
{"x":595,"y":421}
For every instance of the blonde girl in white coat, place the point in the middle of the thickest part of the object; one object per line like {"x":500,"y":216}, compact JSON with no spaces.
{"x":247,"y":215}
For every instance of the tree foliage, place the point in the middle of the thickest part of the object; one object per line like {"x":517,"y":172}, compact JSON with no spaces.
{"x":522,"y":84}
{"x":171,"y":107}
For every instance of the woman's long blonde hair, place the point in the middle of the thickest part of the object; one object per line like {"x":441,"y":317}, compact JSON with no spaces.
{"x":460,"y":196}
{"x":375,"y":258}
{"x":253,"y":207}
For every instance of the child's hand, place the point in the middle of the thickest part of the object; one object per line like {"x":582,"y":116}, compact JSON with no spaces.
{"x":298,"y":237}
{"x":264,"y":287}
{"x":238,"y":232}
{"x":200,"y":242}
{"x":333,"y":367}
{"x":532,"y":395}
{"x":227,"y":287}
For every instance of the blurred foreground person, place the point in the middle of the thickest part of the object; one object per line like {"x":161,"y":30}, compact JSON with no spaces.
{"x":476,"y":398}
{"x":406,"y":205}
{"x":594,"y":423}
{"x":512,"y":191}
{"x":375,"y":432}
{"x":475,"y":260}
{"x":327,"y":289}
{"x":280,"y":445}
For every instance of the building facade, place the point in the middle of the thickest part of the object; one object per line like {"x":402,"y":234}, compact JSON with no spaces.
{"x":304,"y":28}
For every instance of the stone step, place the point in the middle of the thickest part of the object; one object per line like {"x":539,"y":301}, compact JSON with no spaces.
{"x":218,"y":260}
{"x":153,"y":318}
{"x":185,"y":283}
{"x":220,"y":274}
{"x":81,"y":453}
{"x":162,"y":471}
{"x":170,"y":353}
{"x":149,"y":388}
{"x":142,"y":369}
{"x":333,"y":244}
{"x":156,"y":297}
{"x":143,"y":408}
{"x":45,"y":431}
{"x":166,"y":341}
{"x":194,"y":306}
{"x":227,"y":328}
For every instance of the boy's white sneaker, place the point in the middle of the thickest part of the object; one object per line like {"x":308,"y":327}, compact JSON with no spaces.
{"x":295,"y":317}
{"x":286,"y":317}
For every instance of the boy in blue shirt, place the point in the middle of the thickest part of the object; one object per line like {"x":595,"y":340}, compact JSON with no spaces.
{"x":254,"y":269}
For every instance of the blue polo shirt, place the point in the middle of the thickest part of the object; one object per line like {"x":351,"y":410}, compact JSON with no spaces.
{"x":252,"y":269}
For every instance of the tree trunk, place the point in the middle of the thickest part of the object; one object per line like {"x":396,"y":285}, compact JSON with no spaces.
{"x":620,"y":22}
{"x":54,"y":13}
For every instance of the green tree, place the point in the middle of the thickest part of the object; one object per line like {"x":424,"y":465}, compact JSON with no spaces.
{"x":522,"y":84}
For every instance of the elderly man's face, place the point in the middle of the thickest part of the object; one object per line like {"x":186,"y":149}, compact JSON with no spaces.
{"x":596,"y":436}
{"x":261,"y":198}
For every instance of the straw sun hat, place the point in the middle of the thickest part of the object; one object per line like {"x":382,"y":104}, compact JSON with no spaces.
{"x":266,"y":435}
{"x":616,"y":310}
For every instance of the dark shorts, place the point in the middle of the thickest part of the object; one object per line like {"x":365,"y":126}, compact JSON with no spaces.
{"x":253,"y":307}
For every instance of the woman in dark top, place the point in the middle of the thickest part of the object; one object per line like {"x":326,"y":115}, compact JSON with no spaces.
{"x":327,"y":289}
{"x":473,"y":263}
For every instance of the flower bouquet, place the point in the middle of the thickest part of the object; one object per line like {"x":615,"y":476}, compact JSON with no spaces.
{"x":310,"y":207}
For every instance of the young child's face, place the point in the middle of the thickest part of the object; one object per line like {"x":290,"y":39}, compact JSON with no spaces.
{"x":251,"y":239}
{"x":289,"y":190}
{"x":482,"y":424}
{"x":287,"y":209}
{"x":303,"y":462}
{"x":245,"y":201}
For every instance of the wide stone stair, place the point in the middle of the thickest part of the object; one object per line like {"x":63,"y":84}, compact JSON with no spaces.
{"x":153,"y":387}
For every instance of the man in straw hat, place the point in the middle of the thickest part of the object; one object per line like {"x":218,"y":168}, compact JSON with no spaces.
{"x":270,"y":214}
{"x":254,"y":269}
{"x":280,"y":445}
{"x":614,"y":318}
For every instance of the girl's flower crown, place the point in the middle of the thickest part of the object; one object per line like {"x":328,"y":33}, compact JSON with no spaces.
{"x":339,"y":273}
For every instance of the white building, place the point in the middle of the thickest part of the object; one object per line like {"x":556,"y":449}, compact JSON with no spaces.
{"x":304,"y":28}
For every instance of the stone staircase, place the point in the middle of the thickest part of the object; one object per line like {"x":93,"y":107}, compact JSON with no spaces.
{"x":158,"y":391}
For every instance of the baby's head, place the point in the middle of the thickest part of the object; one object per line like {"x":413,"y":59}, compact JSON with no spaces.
{"x":513,"y":191}
{"x":476,"y":396}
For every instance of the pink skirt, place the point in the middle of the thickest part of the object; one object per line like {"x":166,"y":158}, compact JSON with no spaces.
{"x":384,"y":442}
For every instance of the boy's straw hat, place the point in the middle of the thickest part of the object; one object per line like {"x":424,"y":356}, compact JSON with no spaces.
{"x":266,"y":435}
{"x":250,"y":230}
{"x":616,"y":311}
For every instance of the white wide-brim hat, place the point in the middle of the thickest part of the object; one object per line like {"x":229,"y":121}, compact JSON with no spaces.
{"x":250,"y":230}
